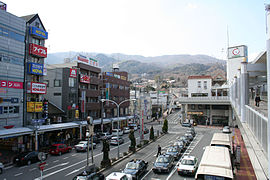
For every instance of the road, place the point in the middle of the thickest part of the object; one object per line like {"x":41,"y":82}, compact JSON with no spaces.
{"x":69,"y":165}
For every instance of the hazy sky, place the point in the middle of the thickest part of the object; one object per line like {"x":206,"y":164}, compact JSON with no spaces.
{"x":149,"y":27}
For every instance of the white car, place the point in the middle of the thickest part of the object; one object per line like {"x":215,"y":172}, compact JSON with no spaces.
{"x":82,"y":146}
{"x":188,"y":166}
{"x":226,"y":129}
{"x":119,"y":176}
{"x":126,"y":130}
{"x":115,"y":132}
{"x":1,"y":168}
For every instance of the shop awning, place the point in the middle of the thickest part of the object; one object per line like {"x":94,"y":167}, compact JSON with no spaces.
{"x":60,"y":126}
{"x":7,"y":133}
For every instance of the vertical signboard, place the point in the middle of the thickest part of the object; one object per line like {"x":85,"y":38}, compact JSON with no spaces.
{"x":83,"y":98}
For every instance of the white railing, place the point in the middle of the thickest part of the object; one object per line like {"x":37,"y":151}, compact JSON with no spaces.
{"x":258,"y":124}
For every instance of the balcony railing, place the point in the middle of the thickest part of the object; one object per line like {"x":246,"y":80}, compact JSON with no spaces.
{"x":205,"y":100}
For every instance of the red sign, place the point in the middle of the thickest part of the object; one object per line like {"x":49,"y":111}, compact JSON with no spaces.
{"x":73,"y":73}
{"x":38,"y":50}
{"x":36,"y":88}
{"x":85,"y":79}
{"x":42,"y":165}
{"x":11,"y":84}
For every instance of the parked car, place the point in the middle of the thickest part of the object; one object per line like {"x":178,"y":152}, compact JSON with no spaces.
{"x":126,"y":130}
{"x":82,"y":146}
{"x":59,"y":149}
{"x":186,"y":124}
{"x":191,"y":132}
{"x":188,"y":165}
{"x":174,"y":151}
{"x":89,"y":176}
{"x":133,"y":126}
{"x":180,"y":144}
{"x":163,"y":163}
{"x":27,"y":158}
{"x":185,"y":139}
{"x":189,"y":136}
{"x":96,"y":139}
{"x":119,"y":176}
{"x":105,"y":135}
{"x":1,"y":168}
{"x":226,"y":129}
{"x":115,"y":132}
{"x":136,"y":168}
{"x":146,"y":131}
{"x":114,"y":140}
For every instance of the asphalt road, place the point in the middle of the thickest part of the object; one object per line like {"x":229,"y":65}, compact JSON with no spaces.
{"x":68,"y":165}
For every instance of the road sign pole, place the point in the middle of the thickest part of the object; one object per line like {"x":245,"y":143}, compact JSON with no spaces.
{"x":41,"y":173}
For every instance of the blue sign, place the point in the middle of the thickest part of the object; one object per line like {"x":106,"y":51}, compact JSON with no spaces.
{"x":35,"y":68}
{"x":38,"y":32}
{"x":1,"y":110}
{"x":14,"y":100}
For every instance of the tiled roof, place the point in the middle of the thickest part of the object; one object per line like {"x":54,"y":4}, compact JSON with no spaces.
{"x":199,"y":77}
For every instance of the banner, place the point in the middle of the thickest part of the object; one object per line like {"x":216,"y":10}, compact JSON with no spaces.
{"x":38,"y":106}
{"x":85,"y":79}
{"x":36,"y":88}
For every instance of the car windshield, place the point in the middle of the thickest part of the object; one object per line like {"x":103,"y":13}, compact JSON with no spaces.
{"x":53,"y":147}
{"x":132,"y":165}
{"x":80,"y":178}
{"x":162,"y":160}
{"x":82,"y":143}
{"x":187,"y":162}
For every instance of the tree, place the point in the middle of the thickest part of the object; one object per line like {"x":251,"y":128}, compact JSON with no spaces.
{"x":106,"y":162}
{"x":152,"y":136}
{"x":131,"y":136}
{"x":165,"y":126}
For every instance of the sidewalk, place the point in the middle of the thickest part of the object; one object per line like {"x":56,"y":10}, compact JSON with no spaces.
{"x":245,"y":171}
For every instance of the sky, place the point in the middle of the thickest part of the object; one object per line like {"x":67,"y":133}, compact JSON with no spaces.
{"x":149,"y":27}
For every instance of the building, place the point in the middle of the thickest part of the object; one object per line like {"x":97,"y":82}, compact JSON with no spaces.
{"x":199,"y":86}
{"x":35,"y":52}
{"x":116,"y":87}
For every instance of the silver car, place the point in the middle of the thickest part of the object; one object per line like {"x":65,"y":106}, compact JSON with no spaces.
{"x":1,"y":168}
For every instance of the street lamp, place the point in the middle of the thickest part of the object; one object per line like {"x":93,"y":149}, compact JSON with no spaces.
{"x":118,"y":112}
{"x":90,"y":132}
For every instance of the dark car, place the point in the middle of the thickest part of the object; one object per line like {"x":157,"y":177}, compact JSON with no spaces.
{"x":181,"y":144}
{"x":163,"y":163}
{"x":186,"y":124}
{"x":59,"y":149}
{"x":136,"y":168}
{"x":27,"y":158}
{"x":89,"y":176}
{"x":96,"y":139}
{"x":189,"y":136}
{"x":146,"y":131}
{"x":191,"y":132}
{"x":174,"y":151}
{"x":185,"y":139}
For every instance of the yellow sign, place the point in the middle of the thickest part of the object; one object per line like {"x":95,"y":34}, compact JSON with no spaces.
{"x":38,"y":106}
{"x":123,"y":78}
{"x":77,"y":114}
{"x":193,"y":113}
{"x":30,"y":106}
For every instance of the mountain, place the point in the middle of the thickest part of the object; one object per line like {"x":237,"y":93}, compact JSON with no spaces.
{"x":136,"y":65}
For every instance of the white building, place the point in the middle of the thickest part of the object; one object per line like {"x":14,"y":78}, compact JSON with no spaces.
{"x":199,"y":86}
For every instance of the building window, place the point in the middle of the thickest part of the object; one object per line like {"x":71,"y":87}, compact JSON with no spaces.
{"x":205,"y":84}
{"x":57,"y":83}
{"x":36,"y":41}
{"x":71,"y":82}
{"x":193,"y":106}
{"x":199,"y":84}
{"x":37,"y":24}
{"x":57,"y":94}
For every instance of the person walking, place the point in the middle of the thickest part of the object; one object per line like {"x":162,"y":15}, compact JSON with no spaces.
{"x":159,"y":151}
{"x":257,"y":100}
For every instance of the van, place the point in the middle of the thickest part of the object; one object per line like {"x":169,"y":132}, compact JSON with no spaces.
{"x":115,"y":132}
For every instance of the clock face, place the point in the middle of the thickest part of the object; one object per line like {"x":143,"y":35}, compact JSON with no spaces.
{"x":236,"y":51}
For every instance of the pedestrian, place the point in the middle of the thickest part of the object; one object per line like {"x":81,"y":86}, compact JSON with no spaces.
{"x":159,"y":151}
{"x":257,"y":100}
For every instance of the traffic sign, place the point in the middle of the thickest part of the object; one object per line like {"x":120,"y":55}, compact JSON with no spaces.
{"x":42,"y":156}
{"x":42,"y":165}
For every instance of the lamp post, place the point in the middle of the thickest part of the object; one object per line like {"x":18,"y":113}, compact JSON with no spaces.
{"x":118,"y":112}
{"x":90,"y":132}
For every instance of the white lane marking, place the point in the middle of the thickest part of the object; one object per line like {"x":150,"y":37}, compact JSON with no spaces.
{"x":76,"y":170}
{"x":32,"y":169}
{"x":63,"y":164}
{"x":74,"y":155}
{"x":9,"y":167}
{"x":55,"y":161}
{"x":175,"y":168}
{"x":65,"y":157}
{"x":22,"y":167}
{"x":18,"y":174}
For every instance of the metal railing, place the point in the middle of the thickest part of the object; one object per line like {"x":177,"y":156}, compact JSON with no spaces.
{"x":258,"y":124}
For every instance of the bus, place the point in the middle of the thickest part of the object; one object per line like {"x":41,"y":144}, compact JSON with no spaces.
{"x":215,"y":164}
{"x":223,"y":140}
